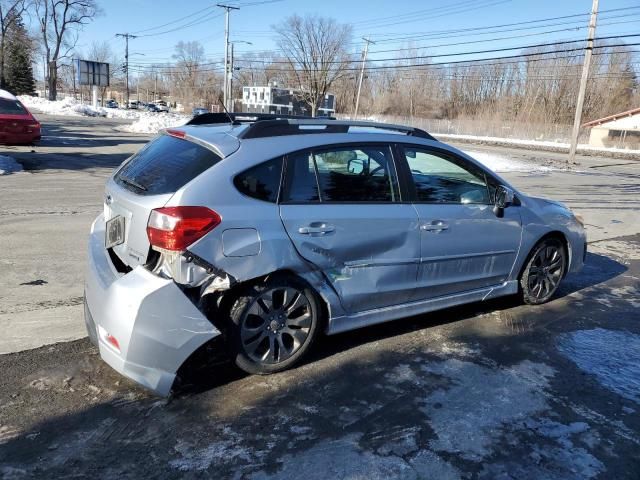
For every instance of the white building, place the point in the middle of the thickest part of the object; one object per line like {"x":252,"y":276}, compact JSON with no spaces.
{"x":621,"y":130}
{"x":282,"y":101}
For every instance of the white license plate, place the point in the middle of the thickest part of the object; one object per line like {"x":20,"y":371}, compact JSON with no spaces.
{"x":114,"y":232}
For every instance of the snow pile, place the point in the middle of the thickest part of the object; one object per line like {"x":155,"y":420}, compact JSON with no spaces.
{"x":499,"y":163}
{"x":9,"y":165}
{"x":144,"y":122}
{"x":66,"y":106}
{"x":152,"y":122}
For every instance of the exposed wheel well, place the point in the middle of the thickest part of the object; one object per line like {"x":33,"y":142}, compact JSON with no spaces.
{"x":224,"y":299}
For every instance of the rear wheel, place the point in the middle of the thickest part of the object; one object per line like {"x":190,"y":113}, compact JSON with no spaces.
{"x":273,"y":325}
{"x":544,"y":270}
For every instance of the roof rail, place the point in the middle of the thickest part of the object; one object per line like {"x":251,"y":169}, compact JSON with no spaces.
{"x":275,"y":125}
{"x":304,"y":126}
{"x":241,"y":117}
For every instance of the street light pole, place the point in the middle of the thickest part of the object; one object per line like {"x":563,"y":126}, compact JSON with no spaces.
{"x":364,"y":61}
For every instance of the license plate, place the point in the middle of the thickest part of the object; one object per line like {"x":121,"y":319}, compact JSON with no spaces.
{"x":114,"y":232}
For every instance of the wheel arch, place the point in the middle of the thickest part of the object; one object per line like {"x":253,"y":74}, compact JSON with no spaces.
{"x":551,"y":234}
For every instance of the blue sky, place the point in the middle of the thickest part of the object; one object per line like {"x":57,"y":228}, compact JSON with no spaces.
{"x":382,"y":20}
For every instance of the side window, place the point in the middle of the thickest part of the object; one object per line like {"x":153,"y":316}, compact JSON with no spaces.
{"x":262,"y":181}
{"x":356,"y":174}
{"x":301,"y":184}
{"x":439,"y":178}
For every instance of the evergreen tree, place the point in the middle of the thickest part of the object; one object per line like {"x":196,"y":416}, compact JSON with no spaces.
{"x":18,"y":66}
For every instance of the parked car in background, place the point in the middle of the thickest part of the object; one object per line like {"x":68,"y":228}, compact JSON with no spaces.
{"x":162,"y":106}
{"x":133,"y":104}
{"x":270,"y":231}
{"x":17,"y":124}
{"x":152,"y":107}
{"x":111,"y":104}
{"x":199,"y":111}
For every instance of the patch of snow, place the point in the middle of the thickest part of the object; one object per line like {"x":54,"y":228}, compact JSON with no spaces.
{"x":481,"y":402}
{"x":341,"y":458}
{"x":9,"y":165}
{"x":500,"y":163}
{"x":67,"y":106}
{"x":199,"y":459}
{"x":612,"y":356}
{"x":148,"y":122}
{"x":532,"y":143}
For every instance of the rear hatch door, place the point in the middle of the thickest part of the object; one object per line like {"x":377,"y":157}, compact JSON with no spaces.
{"x":145,"y":182}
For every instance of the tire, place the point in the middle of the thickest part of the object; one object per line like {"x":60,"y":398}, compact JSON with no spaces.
{"x":545,"y":268}
{"x":272,"y":326}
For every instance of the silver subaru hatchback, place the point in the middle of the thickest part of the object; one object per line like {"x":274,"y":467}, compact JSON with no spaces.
{"x":270,"y":231}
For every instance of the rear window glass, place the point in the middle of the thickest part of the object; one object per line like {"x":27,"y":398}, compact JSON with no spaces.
{"x":164,"y":165}
{"x":262,"y":181}
{"x":11,"y":107}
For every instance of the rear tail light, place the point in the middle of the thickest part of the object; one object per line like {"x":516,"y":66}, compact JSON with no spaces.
{"x":175,"y":228}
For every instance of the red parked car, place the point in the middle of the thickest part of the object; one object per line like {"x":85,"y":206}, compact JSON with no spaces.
{"x":17,"y":125}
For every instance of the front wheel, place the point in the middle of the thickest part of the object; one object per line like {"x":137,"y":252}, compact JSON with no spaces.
{"x":273,"y":325}
{"x":544,"y":270}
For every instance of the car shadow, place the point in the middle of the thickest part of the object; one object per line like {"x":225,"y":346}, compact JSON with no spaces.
{"x":210,"y":367}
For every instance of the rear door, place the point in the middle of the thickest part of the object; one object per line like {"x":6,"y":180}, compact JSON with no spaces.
{"x":464,"y":245}
{"x":147,"y":181}
{"x":342,"y":209}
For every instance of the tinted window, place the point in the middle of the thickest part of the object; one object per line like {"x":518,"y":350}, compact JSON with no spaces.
{"x":440,"y":178}
{"x":302,"y":185}
{"x":262,"y":181}
{"x":355,"y":174}
{"x":164,"y":165}
{"x":11,"y":107}
{"x":348,"y":174}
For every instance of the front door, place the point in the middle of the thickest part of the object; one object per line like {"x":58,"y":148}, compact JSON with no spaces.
{"x":464,"y":245}
{"x":341,"y":208}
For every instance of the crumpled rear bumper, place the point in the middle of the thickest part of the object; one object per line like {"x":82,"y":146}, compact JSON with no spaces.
{"x":155,"y":325}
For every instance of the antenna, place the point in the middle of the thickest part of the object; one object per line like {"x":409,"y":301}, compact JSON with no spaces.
{"x":233,"y":122}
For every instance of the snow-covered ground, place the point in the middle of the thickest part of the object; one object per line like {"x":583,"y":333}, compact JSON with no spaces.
{"x":559,"y":146}
{"x":9,"y":165}
{"x":611,"y":356}
{"x":143,"y":122}
{"x":499,"y":163}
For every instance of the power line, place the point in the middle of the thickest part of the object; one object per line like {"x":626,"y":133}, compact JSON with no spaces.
{"x":511,"y":59}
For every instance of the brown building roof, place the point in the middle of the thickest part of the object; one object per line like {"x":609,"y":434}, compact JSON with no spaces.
{"x":611,"y":118}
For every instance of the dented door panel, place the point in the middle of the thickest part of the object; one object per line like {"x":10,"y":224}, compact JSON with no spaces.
{"x":369,"y":253}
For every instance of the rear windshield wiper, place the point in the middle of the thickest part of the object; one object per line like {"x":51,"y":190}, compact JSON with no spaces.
{"x":132,"y":182}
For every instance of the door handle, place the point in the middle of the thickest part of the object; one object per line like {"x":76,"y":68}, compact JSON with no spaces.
{"x":435,"y":226}
{"x":320,"y":229}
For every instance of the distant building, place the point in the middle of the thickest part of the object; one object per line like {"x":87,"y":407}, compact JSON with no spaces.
{"x":282,"y":101}
{"x":621,"y":130}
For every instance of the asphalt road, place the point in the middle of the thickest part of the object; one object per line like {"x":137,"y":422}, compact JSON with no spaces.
{"x":497,"y":390}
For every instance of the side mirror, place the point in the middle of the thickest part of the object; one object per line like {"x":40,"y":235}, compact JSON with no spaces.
{"x":503,"y":198}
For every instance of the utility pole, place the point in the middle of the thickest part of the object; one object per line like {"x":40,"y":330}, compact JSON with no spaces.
{"x":364,"y":61}
{"x":583,"y":83}
{"x":226,"y":92}
{"x":126,"y":37}
{"x":231,"y":81}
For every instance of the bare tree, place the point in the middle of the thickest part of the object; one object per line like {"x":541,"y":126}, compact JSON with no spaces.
{"x":60,"y":21}
{"x":10,"y":11}
{"x":317,"y":52}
